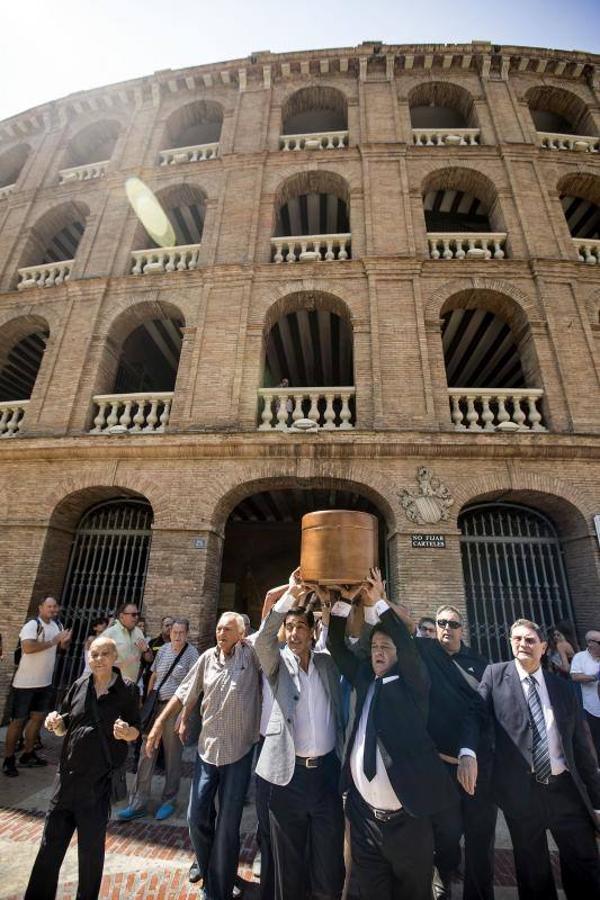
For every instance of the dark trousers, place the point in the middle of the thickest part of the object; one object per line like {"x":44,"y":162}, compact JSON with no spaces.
{"x":307,"y":833}
{"x":263,"y":799}
{"x":594,"y":723}
{"x":558,"y":807}
{"x":475,"y":817}
{"x":216,"y":839}
{"x":390,"y":860}
{"x":70,"y":811}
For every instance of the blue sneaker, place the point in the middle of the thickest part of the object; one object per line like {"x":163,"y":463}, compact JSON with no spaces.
{"x":164,"y":811}
{"x":129,"y":813}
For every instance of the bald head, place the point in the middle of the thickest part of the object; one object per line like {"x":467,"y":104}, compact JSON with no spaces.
{"x":103,"y":656}
{"x":592,"y":639}
{"x":230,"y":630}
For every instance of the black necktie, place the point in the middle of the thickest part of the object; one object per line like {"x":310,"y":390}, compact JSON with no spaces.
{"x":541,"y":751}
{"x":370,"y":755}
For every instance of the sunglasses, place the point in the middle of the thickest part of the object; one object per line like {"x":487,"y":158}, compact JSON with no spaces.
{"x":449,"y":623}
{"x":593,"y":641}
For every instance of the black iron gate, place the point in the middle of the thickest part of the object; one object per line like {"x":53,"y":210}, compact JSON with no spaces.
{"x":107,"y":566}
{"x":513,"y":568}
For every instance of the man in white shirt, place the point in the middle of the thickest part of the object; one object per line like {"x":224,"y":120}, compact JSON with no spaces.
{"x":585,"y":670}
{"x":301,"y":753}
{"x":544,"y":773}
{"x":132,"y":646}
{"x":32,"y":684}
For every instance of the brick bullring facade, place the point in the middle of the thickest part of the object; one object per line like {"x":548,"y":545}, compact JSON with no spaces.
{"x":397,"y":245}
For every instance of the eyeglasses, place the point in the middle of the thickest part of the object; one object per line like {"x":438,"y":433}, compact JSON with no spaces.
{"x":449,"y":623}
{"x":593,"y":641}
{"x":530,"y":641}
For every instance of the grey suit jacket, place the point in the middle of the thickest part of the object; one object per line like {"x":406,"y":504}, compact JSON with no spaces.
{"x":278,"y":756}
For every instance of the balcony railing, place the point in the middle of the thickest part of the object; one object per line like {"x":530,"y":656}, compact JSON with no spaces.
{"x":324,"y":140}
{"x":446,"y":137}
{"x":165,"y":259}
{"x":84,"y":173}
{"x":329,"y":408}
{"x":6,"y":191}
{"x":311,"y":248}
{"x":120,"y":413}
{"x":465,"y":245}
{"x":588,"y":250}
{"x":47,"y":275}
{"x":179,"y":155}
{"x":485,"y":409}
{"x":581,"y":143}
{"x":11,"y":417}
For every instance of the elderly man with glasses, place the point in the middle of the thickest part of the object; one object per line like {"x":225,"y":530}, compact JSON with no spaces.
{"x":132,"y":646}
{"x":585,"y":670}
{"x":544,"y":774}
{"x":455,"y":671}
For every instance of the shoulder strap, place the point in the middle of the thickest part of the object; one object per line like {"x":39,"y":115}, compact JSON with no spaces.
{"x":173,"y":664}
{"x":40,"y":628}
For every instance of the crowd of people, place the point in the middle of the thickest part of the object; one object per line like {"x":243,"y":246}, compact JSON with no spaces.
{"x":379,"y":747}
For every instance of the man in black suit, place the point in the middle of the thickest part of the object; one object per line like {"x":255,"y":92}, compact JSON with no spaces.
{"x":544,"y":774}
{"x":455,"y":671}
{"x":393,"y":775}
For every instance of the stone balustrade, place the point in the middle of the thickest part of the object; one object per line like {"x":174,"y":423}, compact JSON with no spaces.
{"x":467,"y":245}
{"x":11,"y":417}
{"x":446,"y":137}
{"x":329,"y":408}
{"x":165,"y":259}
{"x":484,"y":409}
{"x":588,"y":250}
{"x":325,"y":140}
{"x":179,"y":155}
{"x":6,"y":191}
{"x":581,"y":143}
{"x":120,"y":413}
{"x":311,"y":248}
{"x":83,"y":173}
{"x":47,"y":275}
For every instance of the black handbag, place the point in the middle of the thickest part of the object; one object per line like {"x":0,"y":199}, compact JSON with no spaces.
{"x":150,"y":707}
{"x":118,"y":778}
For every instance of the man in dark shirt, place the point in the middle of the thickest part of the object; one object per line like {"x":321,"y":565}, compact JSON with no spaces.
{"x":81,"y":793}
{"x":455,"y":672}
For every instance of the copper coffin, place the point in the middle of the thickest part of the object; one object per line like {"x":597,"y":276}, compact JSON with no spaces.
{"x":338,"y":546}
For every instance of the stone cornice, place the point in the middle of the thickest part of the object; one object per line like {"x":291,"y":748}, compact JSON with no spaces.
{"x":349,"y":446}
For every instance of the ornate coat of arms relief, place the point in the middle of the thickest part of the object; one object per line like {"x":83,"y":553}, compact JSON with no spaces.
{"x":431,"y":503}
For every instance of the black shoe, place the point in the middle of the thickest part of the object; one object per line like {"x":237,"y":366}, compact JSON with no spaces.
{"x":9,"y":768}
{"x":32,"y":761}
{"x":194,"y":873}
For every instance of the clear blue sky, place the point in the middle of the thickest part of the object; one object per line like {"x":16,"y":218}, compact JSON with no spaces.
{"x":52,"y":49}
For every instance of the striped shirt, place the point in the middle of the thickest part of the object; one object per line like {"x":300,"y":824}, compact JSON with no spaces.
{"x":165,"y":656}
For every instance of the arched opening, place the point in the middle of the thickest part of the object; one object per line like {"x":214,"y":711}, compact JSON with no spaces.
{"x":93,"y":144}
{"x":459,"y":202}
{"x":313,"y":205}
{"x":185,"y":207}
{"x":491,"y":365}
{"x":262,"y":538}
{"x":580,"y":199}
{"x":314,"y":118}
{"x":52,"y":246}
{"x":308,"y":371}
{"x":107,"y":565}
{"x":556,"y":111}
{"x":194,"y":128}
{"x":11,"y":164}
{"x":513,"y":568}
{"x":136,"y":391}
{"x":442,"y":113}
{"x":22,"y":346}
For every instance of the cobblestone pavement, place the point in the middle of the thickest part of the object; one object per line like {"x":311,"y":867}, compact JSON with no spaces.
{"x":145,"y":859}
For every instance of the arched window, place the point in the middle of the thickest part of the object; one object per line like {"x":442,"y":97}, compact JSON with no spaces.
{"x":580,"y":199}
{"x":312,"y":213}
{"x":513,"y":568}
{"x":441,"y":114}
{"x":11,"y":164}
{"x":314,"y":118}
{"x":22,"y":345}
{"x":89,"y":151}
{"x":463,"y":216}
{"x":556,"y":111}
{"x":185,"y":208}
{"x":193,"y":133}
{"x":107,"y":566}
{"x":51,"y":248}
